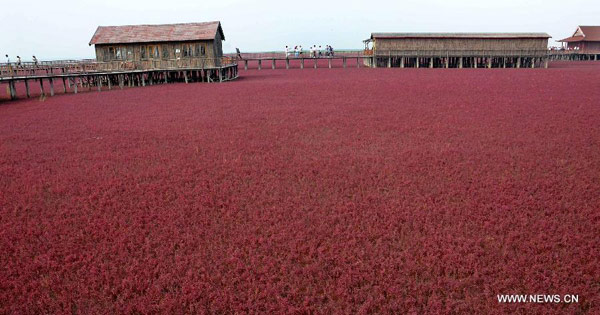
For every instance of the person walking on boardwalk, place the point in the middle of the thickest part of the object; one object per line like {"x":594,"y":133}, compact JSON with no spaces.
{"x":287,"y":52}
{"x":320,"y":51}
{"x":296,"y":51}
{"x":35,"y":61}
{"x":18,"y":62}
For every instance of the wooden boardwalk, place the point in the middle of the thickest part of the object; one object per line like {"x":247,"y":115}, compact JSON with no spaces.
{"x":76,"y":80}
{"x":426,"y":59}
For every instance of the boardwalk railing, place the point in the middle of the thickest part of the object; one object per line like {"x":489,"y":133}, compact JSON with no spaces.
{"x":99,"y":75}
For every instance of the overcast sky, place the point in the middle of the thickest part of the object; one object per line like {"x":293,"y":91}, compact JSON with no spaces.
{"x":57,"y":29}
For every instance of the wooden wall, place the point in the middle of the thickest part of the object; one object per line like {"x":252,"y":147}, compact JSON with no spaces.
{"x":383,"y":45}
{"x":211,"y":50}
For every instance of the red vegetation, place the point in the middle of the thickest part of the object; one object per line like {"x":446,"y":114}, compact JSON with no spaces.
{"x":381,"y":190}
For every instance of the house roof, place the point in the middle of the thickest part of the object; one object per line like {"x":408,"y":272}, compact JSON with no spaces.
{"x":460,"y":35}
{"x":584,"y":33}
{"x":156,"y":33}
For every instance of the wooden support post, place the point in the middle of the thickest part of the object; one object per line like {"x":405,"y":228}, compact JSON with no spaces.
{"x":259,"y":64}
{"x":460,"y":62}
{"x":431,"y":62}
{"x":120,"y":81}
{"x":245,"y":64}
{"x":12,"y":89}
{"x":108,"y":82}
{"x":518,"y":62}
{"x":329,"y":62}
{"x":143,"y":81}
{"x":489,"y":63}
{"x":417,"y":59}
{"x":315,"y":63}
{"x":27,"y":88}
{"x":532,"y":62}
{"x":545,"y":63}
{"x":273,"y":64}
{"x":357,"y":62}
{"x":389,"y":62}
{"x":401,"y":62}
{"x":64,"y":84}
{"x":302,"y":63}
{"x":447,"y":62}
{"x":185,"y":77}
{"x":220,"y":74}
{"x":287,"y":63}
{"x":51,"y":86}
{"x":166,"y":76}
{"x":99,"y":83}
{"x":130,"y":80}
{"x":344,"y":61}
{"x":475,"y":61}
{"x":42,"y":87}
{"x":75,"y":85}
{"x":374,"y":61}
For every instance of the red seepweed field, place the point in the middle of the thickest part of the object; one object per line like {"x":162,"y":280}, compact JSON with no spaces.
{"x":308,"y":191}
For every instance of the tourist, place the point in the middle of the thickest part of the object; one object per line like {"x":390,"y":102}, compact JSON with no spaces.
{"x":35,"y":61}
{"x":296,"y":51}
{"x":18,"y":62}
{"x":300,"y":50}
{"x":320,"y":51}
{"x":287,"y":52}
{"x":7,"y":60}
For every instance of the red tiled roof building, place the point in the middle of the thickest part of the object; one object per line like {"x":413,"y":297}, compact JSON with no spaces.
{"x":160,"y":44}
{"x":585,"y":38}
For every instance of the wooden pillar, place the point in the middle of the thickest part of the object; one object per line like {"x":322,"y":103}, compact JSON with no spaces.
{"x":447,"y":62}
{"x":373,"y":62}
{"x":12,"y":89}
{"x":166,"y":76}
{"x":185,"y":76}
{"x":287,"y":63}
{"x":51,"y":86}
{"x":518,"y":62}
{"x":344,"y":61}
{"x":389,"y":62}
{"x":401,"y":62}
{"x":357,"y":62}
{"x":245,"y":64}
{"x":417,"y":59}
{"x":460,"y":62}
{"x":27,"y":88}
{"x":42,"y":87}
{"x":120,"y":81}
{"x":108,"y":82}
{"x":489,"y":63}
{"x":532,"y":62}
{"x":315,"y":62}
{"x":75,"y":85}
{"x":545,"y":63}
{"x":329,"y":62}
{"x":143,"y":81}
{"x":273,"y":64}
{"x":302,"y":63}
{"x":431,"y":62}
{"x":99,"y":83}
{"x":220,"y":74}
{"x":64,"y":84}
{"x":259,"y":64}
{"x":475,"y":62}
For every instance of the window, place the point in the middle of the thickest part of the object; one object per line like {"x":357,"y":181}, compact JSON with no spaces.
{"x":118,"y":53}
{"x":187,"y":50}
{"x":153,"y":52}
{"x":111,"y":53}
{"x":202,"y":50}
{"x":143,"y":54}
{"x":197,"y":50}
{"x":129,"y":53}
{"x":105,"y":55}
{"x":165,"y":51}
